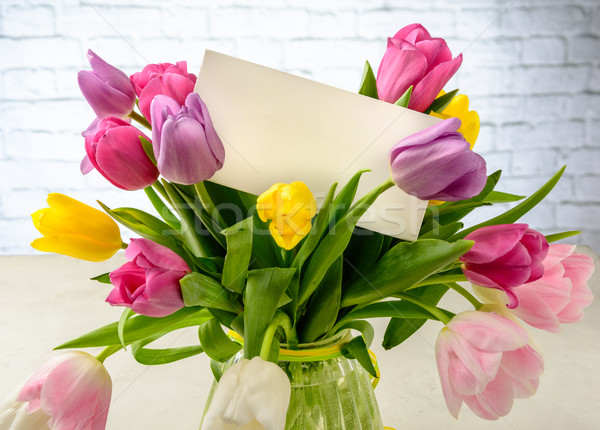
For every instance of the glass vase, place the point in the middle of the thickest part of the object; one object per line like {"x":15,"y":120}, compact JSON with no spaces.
{"x":327,"y":394}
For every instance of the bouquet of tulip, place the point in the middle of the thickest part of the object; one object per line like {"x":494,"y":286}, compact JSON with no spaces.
{"x":288,"y":273}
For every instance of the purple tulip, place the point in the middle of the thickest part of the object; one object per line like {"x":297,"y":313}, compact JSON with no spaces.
{"x":504,"y":257}
{"x":414,"y":58}
{"x":437,"y":164}
{"x":186,"y":145}
{"x":114,"y":148}
{"x":149,"y":282}
{"x":106,"y":88}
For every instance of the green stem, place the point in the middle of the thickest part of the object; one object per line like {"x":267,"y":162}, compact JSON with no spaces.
{"x":162,"y":209}
{"x":139,"y":118}
{"x":433,"y":310}
{"x":208,"y":204}
{"x":281,"y":319}
{"x":439,"y":279}
{"x":107,"y":352}
{"x":463,"y":292}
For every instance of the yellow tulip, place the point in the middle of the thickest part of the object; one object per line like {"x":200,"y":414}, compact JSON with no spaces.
{"x":290,"y":207}
{"x":459,"y":108}
{"x":75,"y":229}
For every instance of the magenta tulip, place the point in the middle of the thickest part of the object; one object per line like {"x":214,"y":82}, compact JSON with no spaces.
{"x":114,"y":148}
{"x":167,"y":79}
{"x":560,"y":295}
{"x":71,"y":391}
{"x":414,"y":58}
{"x":485,"y":361}
{"x":186,"y":145}
{"x":437,"y":164}
{"x":504,"y":257}
{"x":149,"y":282}
{"x":106,"y":88}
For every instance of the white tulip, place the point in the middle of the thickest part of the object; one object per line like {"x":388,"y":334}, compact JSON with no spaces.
{"x":14,"y":416}
{"x":251,"y":395}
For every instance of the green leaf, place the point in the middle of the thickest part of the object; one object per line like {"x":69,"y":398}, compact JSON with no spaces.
{"x":357,"y":349}
{"x":215,"y":342}
{"x":443,"y":232}
{"x":127,"y":313}
{"x":200,"y":290}
{"x":264,"y":289}
{"x":151,"y":357}
{"x":518,"y":211}
{"x":368,"y":83}
{"x":404,"y":99}
{"x":104,"y":278}
{"x":322,"y":310}
{"x":400,"y":329}
{"x":216,"y":369}
{"x":364,"y":327}
{"x":343,"y":201}
{"x":392,"y":308}
{"x":559,"y":236}
{"x":335,"y":242}
{"x":139,"y":327}
{"x":442,"y":102}
{"x":500,"y":197}
{"x":239,"y":252}
{"x":147,"y":145}
{"x":162,"y":209}
{"x":401,"y":267}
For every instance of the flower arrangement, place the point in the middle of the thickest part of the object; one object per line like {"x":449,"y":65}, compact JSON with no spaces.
{"x":291,"y":272}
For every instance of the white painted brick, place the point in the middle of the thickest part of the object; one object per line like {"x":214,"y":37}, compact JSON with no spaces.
{"x":555,"y":134}
{"x":481,"y":81}
{"x":127,"y":21}
{"x":545,"y":20}
{"x":584,"y":49}
{"x":497,"y":161}
{"x":542,"y":217}
{"x":66,"y":83}
{"x":16,"y":236}
{"x":574,"y":216}
{"x":36,"y":51}
{"x":68,"y":145}
{"x":48,"y":175}
{"x":52,"y":115}
{"x":547,"y":107}
{"x":525,"y":186}
{"x":316,"y":54}
{"x":334,"y":5}
{"x":383,"y":23}
{"x":256,"y":22}
{"x":124,"y":53}
{"x":499,"y":108}
{"x":585,"y":106}
{"x":544,"y":50}
{"x":596,"y":21}
{"x":549,"y":79}
{"x":260,"y":50}
{"x":591,"y":239}
{"x":493,"y":52}
{"x":486,"y":140}
{"x":478,"y":23}
{"x":28,"y":21}
{"x":532,"y":162}
{"x":593,"y":133}
{"x":588,"y":188}
{"x":185,"y":22}
{"x":595,"y":79}
{"x":19,"y":203}
{"x":29,"y":145}
{"x":28,"y":84}
{"x":334,"y":25}
{"x":584,"y":161}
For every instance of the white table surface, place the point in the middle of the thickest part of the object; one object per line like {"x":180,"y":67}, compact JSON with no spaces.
{"x":48,"y":299}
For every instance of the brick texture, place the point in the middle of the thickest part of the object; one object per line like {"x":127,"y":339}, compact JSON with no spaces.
{"x":532,"y":71}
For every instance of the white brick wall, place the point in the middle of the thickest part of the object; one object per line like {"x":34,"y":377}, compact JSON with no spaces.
{"x":531,"y":69}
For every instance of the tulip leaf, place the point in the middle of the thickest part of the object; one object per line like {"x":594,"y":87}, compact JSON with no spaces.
{"x":147,"y":145}
{"x":563,"y":235}
{"x":152,"y":357}
{"x":201,"y":290}
{"x":139,"y":327}
{"x":401,"y":267}
{"x":343,"y":201}
{"x":392,"y":308}
{"x":127,"y":313}
{"x":239,"y":252}
{"x":357,"y":349}
{"x":216,"y":369}
{"x":441,"y":102}
{"x":215,"y":342}
{"x":368,"y":83}
{"x":518,"y":211}
{"x":264,"y":289}
{"x":500,"y":197}
{"x":162,"y":209}
{"x":364,"y":327}
{"x":335,"y":242}
{"x":324,"y":304}
{"x":103,"y":278}
{"x":443,"y":232}
{"x":361,"y":253}
{"x":404,"y":99}
{"x":400,"y":329}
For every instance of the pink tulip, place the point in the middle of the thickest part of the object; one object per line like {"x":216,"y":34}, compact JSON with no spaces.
{"x":149,"y":283}
{"x":106,"y":88}
{"x":114,"y":148}
{"x":437,"y":164}
{"x":560,"y":295}
{"x":414,"y":58}
{"x":167,"y":79}
{"x":484,"y":360}
{"x":186,"y":145}
{"x":71,"y":391}
{"x":504,"y":257}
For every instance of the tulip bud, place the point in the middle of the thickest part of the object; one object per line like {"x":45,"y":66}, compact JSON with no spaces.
{"x":504,"y":257}
{"x":75,"y":229}
{"x":106,"y":88}
{"x":437,"y":164}
{"x":115,"y":150}
{"x":186,"y":145}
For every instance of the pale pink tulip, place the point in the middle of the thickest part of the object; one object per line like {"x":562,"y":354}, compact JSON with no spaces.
{"x":71,"y":391}
{"x":485,"y":361}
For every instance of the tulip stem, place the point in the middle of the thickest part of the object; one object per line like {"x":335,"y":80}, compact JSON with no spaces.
{"x":281,"y":319}
{"x":433,"y":310}
{"x":440,"y":279}
{"x":108,"y":351}
{"x":139,"y":118}
{"x":162,"y":209}
{"x":463,"y":292}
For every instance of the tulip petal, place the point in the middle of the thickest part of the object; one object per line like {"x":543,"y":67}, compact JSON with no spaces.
{"x":113,"y":76}
{"x":413,"y":33}
{"x":492,"y":242}
{"x":435,"y":50}
{"x":443,"y":353}
{"x":489,"y":332}
{"x":159,"y":256}
{"x":173,"y":85}
{"x":425,"y":92}
{"x":161,"y":295}
{"x":496,"y":401}
{"x":75,"y":247}
{"x":160,"y":109}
